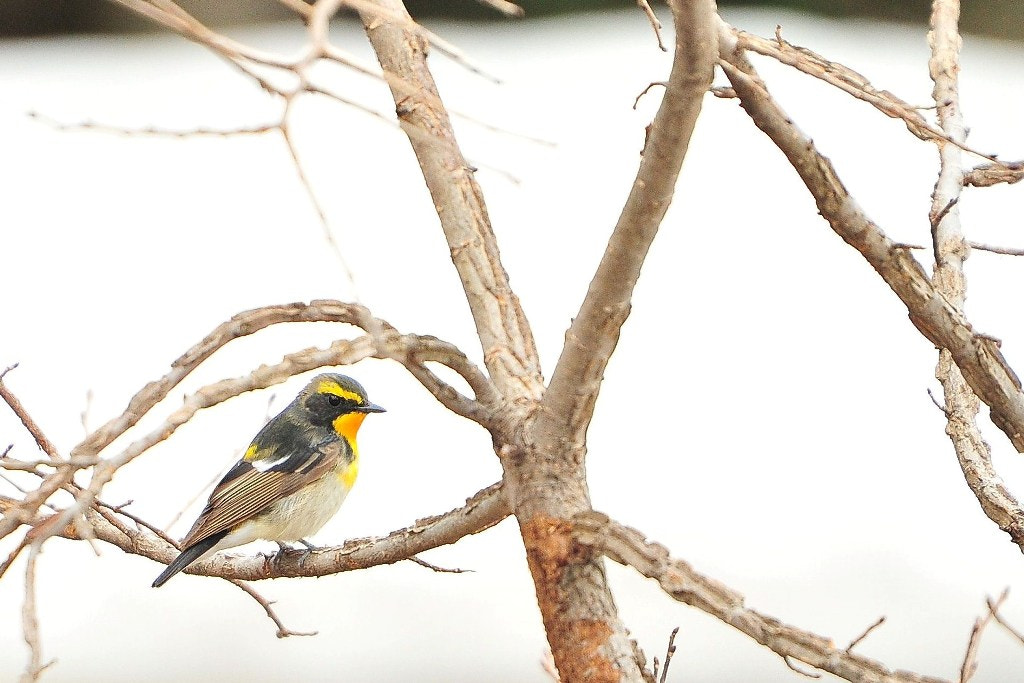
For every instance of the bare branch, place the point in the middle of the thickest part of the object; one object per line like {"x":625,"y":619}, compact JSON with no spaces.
{"x":951,"y":250}
{"x":170,"y":16}
{"x":857,"y":641}
{"x":30,"y":622}
{"x":26,"y":510}
{"x":852,"y":83}
{"x":150,"y":130}
{"x":970,"y":665}
{"x":655,"y":24}
{"x":246,"y":323}
{"x":311,"y":194}
{"x":410,"y":350}
{"x":45,"y":445}
{"x":509,"y":9}
{"x":546,"y":474}
{"x":1005,"y":251}
{"x":944,"y":67}
{"x":679,"y":580}
{"x":994,"y":609}
{"x":992,"y":174}
{"x":569,"y":401}
{"x":670,"y":652}
{"x":434,"y":568}
{"x":482,"y":511}
{"x":342,"y":352}
{"x":509,"y":351}
{"x":282,"y":630}
{"x":942,"y":323}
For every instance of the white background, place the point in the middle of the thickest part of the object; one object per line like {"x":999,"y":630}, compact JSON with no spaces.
{"x":765,"y":415}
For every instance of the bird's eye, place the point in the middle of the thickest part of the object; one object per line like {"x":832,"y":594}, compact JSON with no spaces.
{"x":334,"y":400}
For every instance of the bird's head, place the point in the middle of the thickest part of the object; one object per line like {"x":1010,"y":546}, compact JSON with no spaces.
{"x":337,"y":400}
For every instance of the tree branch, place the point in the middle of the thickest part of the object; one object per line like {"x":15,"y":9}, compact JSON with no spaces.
{"x":993,"y":174}
{"x":852,"y":83}
{"x":482,"y":511}
{"x":594,"y":332}
{"x":30,"y":622}
{"x":249,"y":322}
{"x":594,"y":530}
{"x":410,"y":350}
{"x":951,"y":250}
{"x":545,"y":469}
{"x":942,"y":323}
{"x":509,"y":351}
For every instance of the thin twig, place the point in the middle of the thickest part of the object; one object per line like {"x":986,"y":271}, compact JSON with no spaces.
{"x":150,"y":131}
{"x":970,"y":665}
{"x":440,"y":570}
{"x":45,"y":445}
{"x":646,"y":90}
{"x":509,"y":9}
{"x":282,"y":630}
{"x":30,"y":622}
{"x":1005,"y":251}
{"x":937,"y":218}
{"x":856,"y":641}
{"x":314,"y":200}
{"x":670,"y":651}
{"x":936,"y":401}
{"x":655,"y":24}
{"x":994,"y":608}
{"x":793,"y":667}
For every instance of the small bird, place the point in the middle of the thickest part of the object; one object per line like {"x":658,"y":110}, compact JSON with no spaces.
{"x":291,"y":480}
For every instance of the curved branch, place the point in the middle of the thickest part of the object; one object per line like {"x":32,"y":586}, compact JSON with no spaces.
{"x":249,"y":322}
{"x":941,"y":322}
{"x":482,"y":511}
{"x":594,"y":332}
{"x":240,"y":325}
{"x":410,"y":350}
{"x":678,"y":579}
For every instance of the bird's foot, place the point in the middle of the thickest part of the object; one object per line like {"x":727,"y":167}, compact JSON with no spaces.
{"x":309,"y":550}
{"x":303,"y":553}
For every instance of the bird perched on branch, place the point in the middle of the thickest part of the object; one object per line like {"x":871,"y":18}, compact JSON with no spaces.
{"x":291,"y":480}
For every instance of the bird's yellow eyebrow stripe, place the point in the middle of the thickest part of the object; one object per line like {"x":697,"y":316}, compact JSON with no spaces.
{"x":329,"y":387}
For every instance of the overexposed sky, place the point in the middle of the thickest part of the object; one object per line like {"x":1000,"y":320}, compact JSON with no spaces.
{"x":765,"y":415}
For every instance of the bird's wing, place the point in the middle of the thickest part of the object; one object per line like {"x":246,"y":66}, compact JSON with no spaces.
{"x":252,"y":485}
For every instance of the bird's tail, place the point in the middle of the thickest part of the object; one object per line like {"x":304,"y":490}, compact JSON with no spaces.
{"x":188,"y":556}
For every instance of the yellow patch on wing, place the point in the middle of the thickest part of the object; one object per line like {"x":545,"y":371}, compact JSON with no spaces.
{"x":347,"y":425}
{"x":331,"y":387}
{"x":250,"y":453}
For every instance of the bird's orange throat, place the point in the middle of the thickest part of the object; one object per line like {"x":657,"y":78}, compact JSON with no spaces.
{"x":348,"y":424}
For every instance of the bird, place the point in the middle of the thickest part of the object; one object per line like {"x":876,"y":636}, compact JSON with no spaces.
{"x":291,"y":480}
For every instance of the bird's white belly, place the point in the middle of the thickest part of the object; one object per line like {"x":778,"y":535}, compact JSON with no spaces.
{"x":301,"y":514}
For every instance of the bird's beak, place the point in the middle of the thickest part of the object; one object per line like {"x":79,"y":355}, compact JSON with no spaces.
{"x":371,"y":408}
